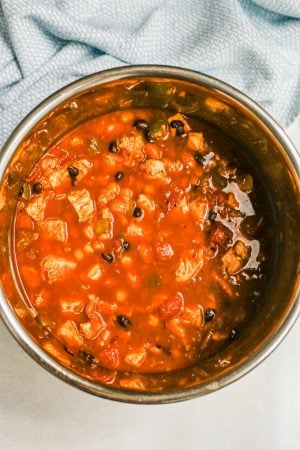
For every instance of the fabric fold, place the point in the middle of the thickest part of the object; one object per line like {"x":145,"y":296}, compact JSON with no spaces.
{"x":253,"y":45}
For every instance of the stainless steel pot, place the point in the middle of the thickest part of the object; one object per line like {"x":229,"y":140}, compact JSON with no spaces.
{"x":266,"y":146}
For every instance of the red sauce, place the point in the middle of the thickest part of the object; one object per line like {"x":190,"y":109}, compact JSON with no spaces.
{"x":134,"y":241}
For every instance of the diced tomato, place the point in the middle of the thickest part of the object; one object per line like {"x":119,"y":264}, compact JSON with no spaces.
{"x":184,"y":183}
{"x":24,"y":221}
{"x":109,"y":357}
{"x":153,"y":151}
{"x":34,"y":175}
{"x":60,"y":154}
{"x":176,"y":328}
{"x":74,"y":233}
{"x":31,"y":276}
{"x":68,"y":215}
{"x":187,"y":159}
{"x":171,"y":307}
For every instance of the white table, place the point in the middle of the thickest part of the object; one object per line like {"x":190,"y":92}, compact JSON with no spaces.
{"x":259,"y":412}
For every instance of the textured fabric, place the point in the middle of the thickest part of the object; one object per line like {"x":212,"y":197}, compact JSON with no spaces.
{"x":251,"y":44}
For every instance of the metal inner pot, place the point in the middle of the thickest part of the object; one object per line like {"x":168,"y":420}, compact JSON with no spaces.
{"x":263,"y":143}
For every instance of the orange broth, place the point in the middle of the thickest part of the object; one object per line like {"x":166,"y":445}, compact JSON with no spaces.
{"x":139,"y":240}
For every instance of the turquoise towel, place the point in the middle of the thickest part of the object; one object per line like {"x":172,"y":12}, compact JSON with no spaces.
{"x":46,"y":44}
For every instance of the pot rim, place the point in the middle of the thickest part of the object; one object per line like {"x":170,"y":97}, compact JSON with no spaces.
{"x":14,"y":325}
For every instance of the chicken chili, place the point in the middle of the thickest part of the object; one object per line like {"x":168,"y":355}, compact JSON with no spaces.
{"x":139,"y":242}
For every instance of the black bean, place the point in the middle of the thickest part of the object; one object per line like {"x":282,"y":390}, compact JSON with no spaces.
{"x":232,"y":334}
{"x":108,"y":257}
{"x":140,"y":124}
{"x":119,"y":176}
{"x":125,"y":245}
{"x":123,"y":321}
{"x":209,"y":315}
{"x":20,"y":191}
{"x":199,"y":158}
{"x":212,"y":215}
{"x":113,"y":147}
{"x":176,"y":124}
{"x":37,"y":188}
{"x":148,"y":136}
{"x":180,"y":132}
{"x":73,"y":171}
{"x":137,"y":212}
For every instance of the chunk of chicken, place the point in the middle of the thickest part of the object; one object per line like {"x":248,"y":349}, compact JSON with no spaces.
{"x":135,"y":383}
{"x":173,"y":166}
{"x":57,"y":267}
{"x":145,"y":202}
{"x":189,"y":265}
{"x":56,"y":229}
{"x":221,"y":235}
{"x":57,"y":352}
{"x":72,"y":305}
{"x":236,"y":257}
{"x":94,"y":327}
{"x":132,"y":148}
{"x":177,"y":201}
{"x":196,"y":142}
{"x":36,"y":208}
{"x":134,"y":230}
{"x":89,"y":232}
{"x":232,"y":262}
{"x":69,"y":333}
{"x":59,"y":176}
{"x":109,"y":193}
{"x":199,"y":209}
{"x":183,"y":204}
{"x":242,"y":250}
{"x":82,"y":203}
{"x":193,"y":316}
{"x":155,"y":168}
{"x":136,"y":359}
{"x":124,"y":203}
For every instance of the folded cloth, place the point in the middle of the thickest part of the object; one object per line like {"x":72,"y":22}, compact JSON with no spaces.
{"x":252,"y":44}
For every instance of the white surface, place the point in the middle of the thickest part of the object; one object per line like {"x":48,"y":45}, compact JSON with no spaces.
{"x":259,"y":412}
